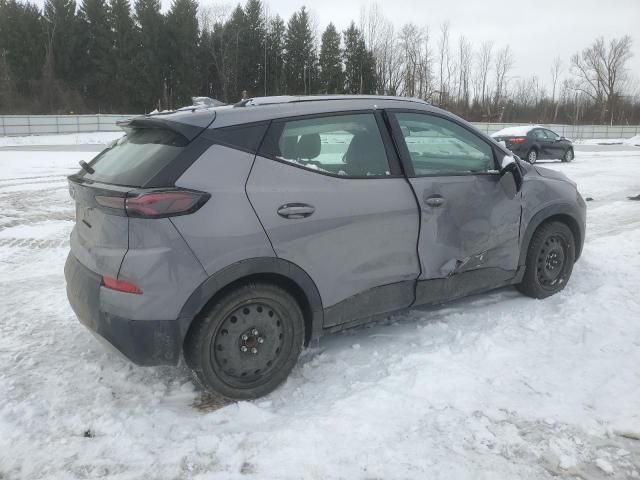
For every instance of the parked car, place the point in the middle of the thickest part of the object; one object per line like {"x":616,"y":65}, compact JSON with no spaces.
{"x":236,"y":235}
{"x":533,"y":142}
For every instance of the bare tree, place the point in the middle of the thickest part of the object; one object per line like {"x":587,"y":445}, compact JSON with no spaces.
{"x":601,"y":72}
{"x":464,"y":71}
{"x":504,"y":63}
{"x":481,"y":77}
{"x":444,"y":58}
{"x":556,"y":71}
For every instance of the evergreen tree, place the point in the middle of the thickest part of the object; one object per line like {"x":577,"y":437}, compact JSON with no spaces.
{"x":330,"y":61}
{"x":182,"y":49}
{"x":125,"y":40}
{"x":275,"y":56}
{"x":95,"y":64}
{"x":359,"y":63}
{"x":63,"y":41}
{"x":252,"y":50}
{"x":230,"y":44}
{"x":149,"y":62}
{"x":300,"y":55}
{"x":22,"y":45}
{"x":208,"y":81}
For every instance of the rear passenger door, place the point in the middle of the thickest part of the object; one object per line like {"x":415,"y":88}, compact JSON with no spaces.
{"x":469,"y":223}
{"x":331,"y":196}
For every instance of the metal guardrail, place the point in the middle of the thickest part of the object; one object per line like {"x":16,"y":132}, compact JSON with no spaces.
{"x":573,"y":132}
{"x":17,"y":125}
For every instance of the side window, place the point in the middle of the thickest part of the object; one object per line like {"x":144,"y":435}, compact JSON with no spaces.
{"x":344,"y":145}
{"x":551,"y":135}
{"x":440,"y":147}
{"x":539,"y":134}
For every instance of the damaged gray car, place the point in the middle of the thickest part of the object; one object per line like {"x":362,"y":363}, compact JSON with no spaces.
{"x":235,"y":235}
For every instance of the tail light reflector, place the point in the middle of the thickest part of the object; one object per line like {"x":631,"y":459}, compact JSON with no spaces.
{"x":517,"y":140}
{"x":154,"y":203}
{"x":165,"y":203}
{"x":120,"y":286}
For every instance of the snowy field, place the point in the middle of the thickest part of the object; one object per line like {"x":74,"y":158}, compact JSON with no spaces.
{"x":497,"y":386}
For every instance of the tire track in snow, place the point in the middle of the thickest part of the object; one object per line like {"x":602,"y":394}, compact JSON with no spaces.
{"x":34,"y":243}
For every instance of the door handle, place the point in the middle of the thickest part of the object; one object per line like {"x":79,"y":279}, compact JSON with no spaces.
{"x":295,"y":210}
{"x":434,"y":201}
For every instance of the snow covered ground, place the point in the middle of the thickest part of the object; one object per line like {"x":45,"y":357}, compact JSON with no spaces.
{"x":497,"y":386}
{"x":633,"y":141}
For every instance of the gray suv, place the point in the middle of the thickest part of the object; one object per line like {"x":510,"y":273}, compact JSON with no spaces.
{"x":235,"y":235}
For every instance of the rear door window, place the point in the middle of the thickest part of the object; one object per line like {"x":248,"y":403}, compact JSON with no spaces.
{"x":136,"y":158}
{"x":344,"y":145}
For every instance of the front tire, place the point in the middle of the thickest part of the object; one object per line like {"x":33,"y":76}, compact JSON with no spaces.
{"x":568,"y":155}
{"x":532,"y":156}
{"x":549,"y":262}
{"x":247,"y":342}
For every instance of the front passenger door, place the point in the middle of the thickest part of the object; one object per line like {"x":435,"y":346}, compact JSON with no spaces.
{"x":468,"y":221}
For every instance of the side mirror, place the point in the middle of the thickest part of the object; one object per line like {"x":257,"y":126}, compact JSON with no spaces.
{"x":510,"y":176}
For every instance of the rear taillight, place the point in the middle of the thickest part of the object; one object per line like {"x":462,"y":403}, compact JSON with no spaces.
{"x":154,"y":203}
{"x":165,"y":203}
{"x":517,"y":140}
{"x":120,"y":286}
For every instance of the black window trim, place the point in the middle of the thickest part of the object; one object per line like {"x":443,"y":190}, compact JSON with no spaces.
{"x":395,"y":169}
{"x":405,"y":156}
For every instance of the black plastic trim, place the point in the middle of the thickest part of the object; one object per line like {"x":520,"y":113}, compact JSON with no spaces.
{"x":565,"y":209}
{"x":244,"y":269}
{"x":440,"y":290}
{"x":144,"y":342}
{"x":246,"y":137}
{"x":370,"y":303}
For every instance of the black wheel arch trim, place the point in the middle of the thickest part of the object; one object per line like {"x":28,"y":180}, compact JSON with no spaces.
{"x":246,"y":269}
{"x":560,"y":210}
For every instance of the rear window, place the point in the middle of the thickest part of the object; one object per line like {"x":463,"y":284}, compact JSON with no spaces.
{"x":137,"y":157}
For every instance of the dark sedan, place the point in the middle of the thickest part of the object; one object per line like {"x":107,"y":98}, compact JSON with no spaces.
{"x":533,"y":142}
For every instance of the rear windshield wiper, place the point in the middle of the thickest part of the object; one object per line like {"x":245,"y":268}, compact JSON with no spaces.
{"x":86,"y":167}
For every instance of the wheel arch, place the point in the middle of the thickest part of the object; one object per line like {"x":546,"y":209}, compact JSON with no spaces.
{"x":564,"y":213}
{"x":268,"y":269}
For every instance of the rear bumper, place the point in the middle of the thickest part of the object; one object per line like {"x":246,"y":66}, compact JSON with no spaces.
{"x":144,"y":342}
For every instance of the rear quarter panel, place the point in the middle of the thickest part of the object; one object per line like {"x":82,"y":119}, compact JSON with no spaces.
{"x":226,"y":229}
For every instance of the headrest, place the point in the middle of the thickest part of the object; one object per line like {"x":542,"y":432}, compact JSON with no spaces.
{"x":308,"y":146}
{"x":288,"y":147}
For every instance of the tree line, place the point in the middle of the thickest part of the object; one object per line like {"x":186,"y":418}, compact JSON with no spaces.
{"x":114,"y":57}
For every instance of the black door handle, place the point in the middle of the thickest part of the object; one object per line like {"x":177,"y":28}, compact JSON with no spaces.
{"x":295,"y":210}
{"x":434,"y":201}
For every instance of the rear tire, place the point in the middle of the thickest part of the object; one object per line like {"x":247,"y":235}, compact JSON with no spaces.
{"x":568,"y":156}
{"x":549,"y":262}
{"x":532,"y":156}
{"x":246,"y":343}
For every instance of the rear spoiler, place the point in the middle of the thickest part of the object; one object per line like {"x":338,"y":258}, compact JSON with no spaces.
{"x":188,"y":123}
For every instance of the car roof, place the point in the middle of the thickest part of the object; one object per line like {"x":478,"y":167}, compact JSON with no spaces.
{"x":518,"y":130}
{"x":267,"y":108}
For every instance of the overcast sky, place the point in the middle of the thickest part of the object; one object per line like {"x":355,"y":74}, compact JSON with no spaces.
{"x":536,"y":30}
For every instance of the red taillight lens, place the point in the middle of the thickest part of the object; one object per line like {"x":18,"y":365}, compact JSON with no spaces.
{"x":517,"y":140}
{"x":120,"y":286}
{"x":165,"y":204}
